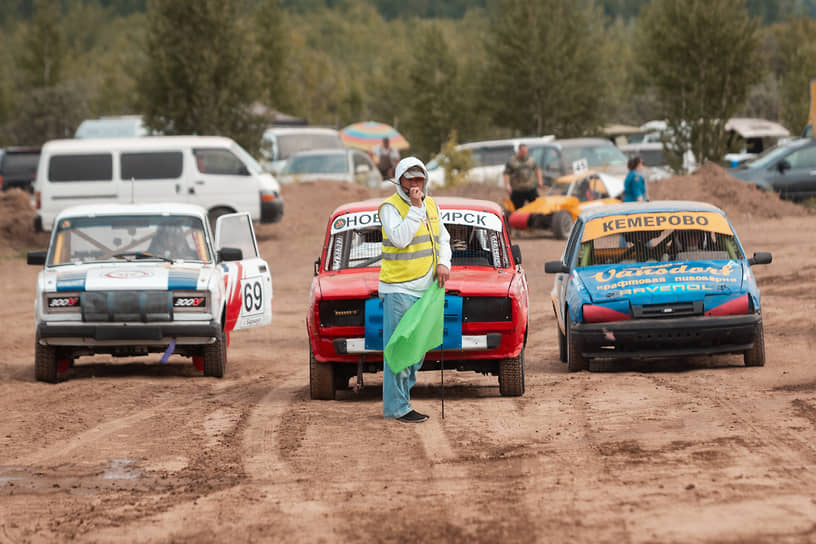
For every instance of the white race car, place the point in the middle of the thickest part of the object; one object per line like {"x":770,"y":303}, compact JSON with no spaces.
{"x":128,"y":280}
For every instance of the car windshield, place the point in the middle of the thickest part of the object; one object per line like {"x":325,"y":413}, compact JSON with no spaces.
{"x":639,"y":238}
{"x":128,"y":237}
{"x":559,"y":188}
{"x":595,"y":155}
{"x":289,"y":144}
{"x":248,"y":159}
{"x":767,"y":158}
{"x":334,"y":163}
{"x":471,"y":245}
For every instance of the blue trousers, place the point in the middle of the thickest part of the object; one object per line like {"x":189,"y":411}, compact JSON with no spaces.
{"x":396,"y":387}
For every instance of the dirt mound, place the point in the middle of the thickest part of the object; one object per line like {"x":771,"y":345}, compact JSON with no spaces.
{"x":711,"y":183}
{"x":17,"y":222}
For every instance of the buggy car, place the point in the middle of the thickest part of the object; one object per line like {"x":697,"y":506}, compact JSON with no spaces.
{"x":567,"y":197}
{"x":657,"y":279}
{"x":486,"y":301}
{"x":129,"y":280}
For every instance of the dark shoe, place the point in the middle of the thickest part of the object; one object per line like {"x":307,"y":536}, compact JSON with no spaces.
{"x":413,"y":417}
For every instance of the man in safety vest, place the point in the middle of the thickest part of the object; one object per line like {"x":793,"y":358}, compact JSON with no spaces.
{"x":416,"y":250}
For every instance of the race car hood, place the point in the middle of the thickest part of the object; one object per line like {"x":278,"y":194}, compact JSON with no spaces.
{"x":661,"y":282}
{"x":127,"y":276}
{"x":547,"y":204}
{"x":350,"y":284}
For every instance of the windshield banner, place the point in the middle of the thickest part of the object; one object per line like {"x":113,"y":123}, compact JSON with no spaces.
{"x":616,"y":224}
{"x":472,"y":218}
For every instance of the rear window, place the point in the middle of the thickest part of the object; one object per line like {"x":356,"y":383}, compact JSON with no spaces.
{"x":90,"y":167}
{"x":494,"y":155}
{"x":154,"y":165}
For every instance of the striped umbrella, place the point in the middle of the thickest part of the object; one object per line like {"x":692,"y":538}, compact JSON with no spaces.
{"x":367,"y":134}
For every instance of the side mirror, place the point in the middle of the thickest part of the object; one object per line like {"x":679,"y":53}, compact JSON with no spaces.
{"x":36,"y":257}
{"x":760,"y":257}
{"x":782,"y":166}
{"x":230,"y":254}
{"x":556,"y":267}
{"x":516,"y":251}
{"x":316,"y":266}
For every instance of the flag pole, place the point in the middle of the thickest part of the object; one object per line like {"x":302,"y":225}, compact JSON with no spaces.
{"x":442,"y":364}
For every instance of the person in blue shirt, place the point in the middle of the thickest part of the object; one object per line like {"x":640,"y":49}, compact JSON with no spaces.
{"x":634,"y":186}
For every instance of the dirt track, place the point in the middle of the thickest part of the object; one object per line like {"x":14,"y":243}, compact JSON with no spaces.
{"x":671,"y":451}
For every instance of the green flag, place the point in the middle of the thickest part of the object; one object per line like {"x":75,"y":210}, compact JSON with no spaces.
{"x":419,"y":330}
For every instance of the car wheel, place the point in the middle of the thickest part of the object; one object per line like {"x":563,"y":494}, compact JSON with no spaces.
{"x":561,"y":224}
{"x":45,"y":363}
{"x":756,"y":355}
{"x":215,"y":357}
{"x":511,"y":376}
{"x":562,"y":345}
{"x":321,"y":379}
{"x":575,"y":361}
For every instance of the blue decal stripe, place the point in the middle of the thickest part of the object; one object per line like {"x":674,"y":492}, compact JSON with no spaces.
{"x":182,"y":280}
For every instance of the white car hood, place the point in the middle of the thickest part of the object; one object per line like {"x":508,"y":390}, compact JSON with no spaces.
{"x":128,"y":276}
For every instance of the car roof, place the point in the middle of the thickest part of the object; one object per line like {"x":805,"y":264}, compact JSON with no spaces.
{"x":442,"y":202}
{"x":327,"y":151}
{"x":300,"y":130}
{"x":143,"y":142}
{"x":160,"y":208}
{"x":626,"y":208}
{"x":529,"y":140}
{"x":578,"y":142}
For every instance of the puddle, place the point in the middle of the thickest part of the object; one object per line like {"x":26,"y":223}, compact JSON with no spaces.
{"x":116,"y":474}
{"x":120,"y":469}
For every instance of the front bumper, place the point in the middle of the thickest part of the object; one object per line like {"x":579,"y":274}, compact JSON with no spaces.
{"x":272,"y":210}
{"x":641,"y":338}
{"x":88,"y":334}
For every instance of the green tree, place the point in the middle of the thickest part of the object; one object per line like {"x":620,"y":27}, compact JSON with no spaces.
{"x":197,"y":78}
{"x":795,"y":64}
{"x":702,"y":57}
{"x":272,"y":48}
{"x":545,"y":68}
{"x":43,"y":49}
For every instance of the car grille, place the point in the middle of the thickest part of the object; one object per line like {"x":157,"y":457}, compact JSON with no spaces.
{"x":116,"y":306}
{"x":672,"y":309}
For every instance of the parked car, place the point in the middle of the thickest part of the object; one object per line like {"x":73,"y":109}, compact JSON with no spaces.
{"x":750,"y":137}
{"x":788,"y":168}
{"x":489,"y":158}
{"x":129,"y":280}
{"x":280,"y":143}
{"x":653,"y":156}
{"x":211,"y":171}
{"x":486,"y":298}
{"x":118,"y":126}
{"x":656,"y":279}
{"x":561,"y":157}
{"x":564,"y":201}
{"x":350,"y":165}
{"x":18,"y":167}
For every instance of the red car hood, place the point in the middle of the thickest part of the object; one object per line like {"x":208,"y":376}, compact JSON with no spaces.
{"x":464,"y":281}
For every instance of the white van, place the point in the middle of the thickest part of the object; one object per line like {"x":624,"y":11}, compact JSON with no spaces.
{"x":489,"y":158}
{"x":211,"y":171}
{"x":280,"y":143}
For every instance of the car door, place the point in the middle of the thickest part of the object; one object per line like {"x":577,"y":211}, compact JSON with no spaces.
{"x":559,"y":292}
{"x":248,"y":283}
{"x":221,"y":178}
{"x":800,"y":180}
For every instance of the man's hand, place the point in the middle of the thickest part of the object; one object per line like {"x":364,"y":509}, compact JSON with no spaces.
{"x":442,"y":275}
{"x":416,"y":196}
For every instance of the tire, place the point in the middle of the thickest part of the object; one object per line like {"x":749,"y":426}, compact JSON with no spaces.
{"x":562,"y":345}
{"x":511,"y":376}
{"x":562,"y":224}
{"x":215,"y":357}
{"x":322,"y":385}
{"x":575,"y":361}
{"x":341,"y":379}
{"x":756,"y":355}
{"x":214,"y":214}
{"x":45,"y":363}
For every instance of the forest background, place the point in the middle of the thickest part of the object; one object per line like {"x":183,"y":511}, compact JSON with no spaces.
{"x":435,"y":69}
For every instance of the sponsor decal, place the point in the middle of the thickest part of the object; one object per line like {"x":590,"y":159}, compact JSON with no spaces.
{"x":356,"y":220}
{"x":128,"y":274}
{"x":716,"y":273}
{"x":617,"y":224}
{"x":472,"y":218}
{"x":189,"y":302}
{"x":63,"y":302}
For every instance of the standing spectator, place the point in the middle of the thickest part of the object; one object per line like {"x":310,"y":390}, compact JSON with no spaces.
{"x":387,"y":158}
{"x":634,"y":186}
{"x":522,"y":178}
{"x":415,"y":252}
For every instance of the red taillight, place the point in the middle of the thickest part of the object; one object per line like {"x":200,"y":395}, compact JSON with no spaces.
{"x":37,"y":201}
{"x":600,"y":314}
{"x":736,"y":306}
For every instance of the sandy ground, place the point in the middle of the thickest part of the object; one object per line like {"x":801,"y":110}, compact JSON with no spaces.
{"x":686,"y":450}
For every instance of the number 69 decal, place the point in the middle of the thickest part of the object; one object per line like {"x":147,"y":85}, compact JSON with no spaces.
{"x":253,"y":296}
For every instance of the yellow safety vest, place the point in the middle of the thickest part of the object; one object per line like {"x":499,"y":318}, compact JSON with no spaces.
{"x":417,"y":258}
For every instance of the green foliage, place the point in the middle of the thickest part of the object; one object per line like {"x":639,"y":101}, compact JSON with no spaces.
{"x":271,"y":50}
{"x":796,"y":63}
{"x":43,"y":48}
{"x":544,"y":68}
{"x":456,"y":162}
{"x":702,"y":57}
{"x":197,"y":78}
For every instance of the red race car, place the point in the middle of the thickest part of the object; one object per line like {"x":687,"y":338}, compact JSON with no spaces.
{"x":486,"y":300}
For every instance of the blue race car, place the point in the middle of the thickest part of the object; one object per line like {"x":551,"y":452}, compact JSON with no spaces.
{"x":656,"y":279}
